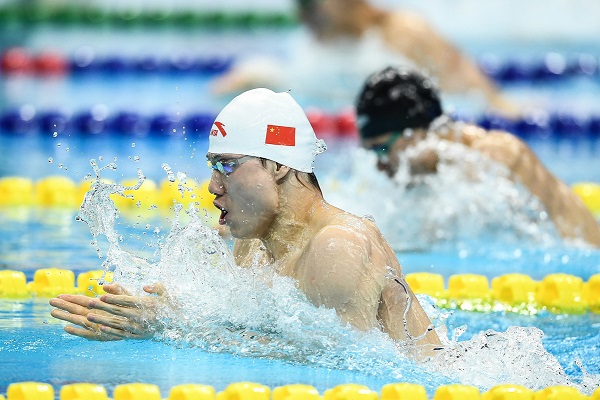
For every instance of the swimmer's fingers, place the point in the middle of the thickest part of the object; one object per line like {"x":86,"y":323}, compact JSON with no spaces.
{"x":157,"y":288}
{"x":118,"y":302}
{"x":74,"y":304}
{"x":141,"y":313}
{"x":75,"y":309}
{"x":88,"y":330}
{"x":80,"y":319}
{"x":114,"y":288}
{"x":76,"y":319}
{"x":117,"y":308}
{"x":120,"y":326}
{"x":121,"y":334}
{"x":97,"y":335}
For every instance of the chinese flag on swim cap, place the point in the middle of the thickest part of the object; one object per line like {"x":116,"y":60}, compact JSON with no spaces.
{"x":281,"y":135}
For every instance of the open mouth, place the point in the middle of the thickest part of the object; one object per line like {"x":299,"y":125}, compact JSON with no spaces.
{"x":223,"y":214}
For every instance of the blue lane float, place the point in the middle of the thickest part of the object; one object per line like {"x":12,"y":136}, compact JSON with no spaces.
{"x":20,"y":61}
{"x":16,"y":122}
{"x":550,"y":67}
{"x":26,"y":120}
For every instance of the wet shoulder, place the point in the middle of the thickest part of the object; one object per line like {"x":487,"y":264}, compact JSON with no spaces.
{"x":352,"y":229}
{"x":356,"y":242}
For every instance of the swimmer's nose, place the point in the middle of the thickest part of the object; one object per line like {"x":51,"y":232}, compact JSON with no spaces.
{"x":385,"y":166}
{"x":382,"y":165}
{"x":215,"y":186}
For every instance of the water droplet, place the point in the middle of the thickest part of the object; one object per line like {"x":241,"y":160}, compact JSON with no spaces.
{"x":169,"y":171}
{"x":133,"y":144}
{"x":50,"y":160}
{"x":55,"y":134}
{"x":58,"y":144}
{"x":136,"y":158}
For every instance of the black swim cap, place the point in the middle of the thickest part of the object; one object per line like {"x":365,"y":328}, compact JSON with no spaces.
{"x":394,"y":99}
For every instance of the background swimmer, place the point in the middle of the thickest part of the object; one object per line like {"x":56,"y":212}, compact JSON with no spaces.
{"x":399,"y":109}
{"x":262,"y":149}
{"x":352,"y":38}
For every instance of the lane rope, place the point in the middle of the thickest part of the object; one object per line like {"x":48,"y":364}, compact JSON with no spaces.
{"x":257,"y":391}
{"x":557,"y":293}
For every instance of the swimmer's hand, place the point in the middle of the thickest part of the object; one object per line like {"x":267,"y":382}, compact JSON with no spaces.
{"x":114,"y":316}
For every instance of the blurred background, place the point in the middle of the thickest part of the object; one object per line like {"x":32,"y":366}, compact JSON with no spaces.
{"x":98,"y":79}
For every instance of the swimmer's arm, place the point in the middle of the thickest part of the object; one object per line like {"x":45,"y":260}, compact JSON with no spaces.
{"x":417,"y":39}
{"x":522,"y":163}
{"x":401,"y":324}
{"x":570,"y":216}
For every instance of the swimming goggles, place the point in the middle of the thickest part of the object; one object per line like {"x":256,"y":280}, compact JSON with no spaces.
{"x":383,"y":149}
{"x":227,"y":167}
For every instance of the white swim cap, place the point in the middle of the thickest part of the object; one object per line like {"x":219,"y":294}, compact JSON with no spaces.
{"x":266,"y":124}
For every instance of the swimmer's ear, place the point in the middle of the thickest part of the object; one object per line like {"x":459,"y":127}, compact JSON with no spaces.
{"x":281,"y":172}
{"x":278,"y":170}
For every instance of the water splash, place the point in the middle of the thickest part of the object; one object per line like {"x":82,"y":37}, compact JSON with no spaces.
{"x":490,"y":358}
{"x":220,"y":307}
{"x":470,"y":201}
{"x":99,"y":213}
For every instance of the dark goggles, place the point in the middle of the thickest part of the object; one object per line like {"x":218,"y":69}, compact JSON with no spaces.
{"x":383,"y":149}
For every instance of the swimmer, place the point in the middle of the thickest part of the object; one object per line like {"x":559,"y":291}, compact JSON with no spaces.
{"x":355,"y":28}
{"x":398,"y":108}
{"x":261,"y":150}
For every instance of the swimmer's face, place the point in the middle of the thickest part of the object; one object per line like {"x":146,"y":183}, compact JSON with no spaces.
{"x":391,"y":146}
{"x":247,"y":196}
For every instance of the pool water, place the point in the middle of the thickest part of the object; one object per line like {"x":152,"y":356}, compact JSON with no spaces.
{"x":306,"y":345}
{"x":34,"y":348}
{"x":564,"y":348}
